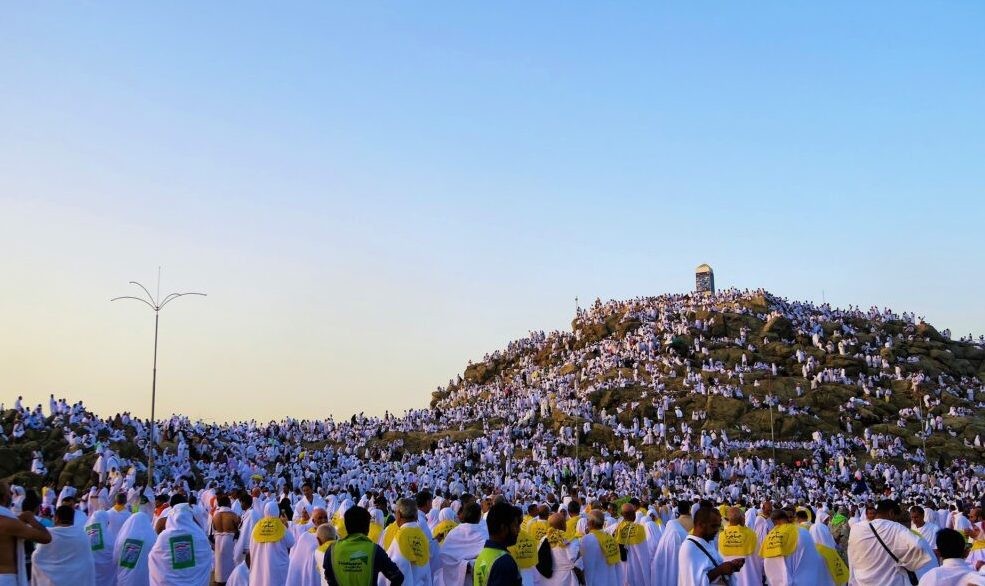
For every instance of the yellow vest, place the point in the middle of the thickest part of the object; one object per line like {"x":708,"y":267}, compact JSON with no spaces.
{"x":525,"y":524}
{"x":630,"y":533}
{"x":339,"y":523}
{"x":780,"y":541}
{"x":737,"y":540}
{"x":538,"y":529}
{"x":441,"y":530}
{"x":524,"y":551}
{"x":268,"y":530}
{"x":555,"y":538}
{"x":375,"y":530}
{"x":979,"y":541}
{"x":413,"y":545}
{"x":610,"y":549}
{"x":388,"y":535}
{"x":810,"y":516}
{"x":571,"y":531}
{"x":836,"y":566}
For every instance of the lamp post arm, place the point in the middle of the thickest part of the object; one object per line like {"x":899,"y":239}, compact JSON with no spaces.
{"x":173,"y":296}
{"x":144,"y":301}
{"x":149,"y":296}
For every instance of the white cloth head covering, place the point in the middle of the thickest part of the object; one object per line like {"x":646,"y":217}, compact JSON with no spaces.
{"x":345,"y":506}
{"x":446,"y":514}
{"x":133,"y":545}
{"x":330,"y":502}
{"x":17,"y":497}
{"x":271,"y":510}
{"x":181,"y":555}
{"x":240,"y":576}
{"x":66,"y":492}
{"x":101,"y":541}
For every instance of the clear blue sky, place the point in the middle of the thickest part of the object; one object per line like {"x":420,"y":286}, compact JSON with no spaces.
{"x":373,"y":193}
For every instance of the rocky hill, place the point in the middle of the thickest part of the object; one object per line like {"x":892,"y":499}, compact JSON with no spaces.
{"x":708,"y":337}
{"x":870,"y":376}
{"x":16,"y":455}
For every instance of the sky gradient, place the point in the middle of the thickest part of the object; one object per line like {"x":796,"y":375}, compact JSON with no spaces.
{"x":372,"y":194}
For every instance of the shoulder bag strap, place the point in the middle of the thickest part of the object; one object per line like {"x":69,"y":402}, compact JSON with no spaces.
{"x":714,"y":562}
{"x":910,"y":575}
{"x":883,"y":544}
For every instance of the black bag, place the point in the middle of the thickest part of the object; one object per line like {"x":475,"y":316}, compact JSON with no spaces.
{"x":912,"y":576}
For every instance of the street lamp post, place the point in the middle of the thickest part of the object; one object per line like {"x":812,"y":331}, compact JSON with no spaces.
{"x":157,"y":304}
{"x":577,"y":441}
{"x":769,"y":382}
{"x":924,"y":431}
{"x":772,"y":432}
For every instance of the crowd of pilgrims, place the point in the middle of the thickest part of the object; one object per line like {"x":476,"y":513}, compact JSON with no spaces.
{"x":303,"y":538}
{"x":523,"y":430}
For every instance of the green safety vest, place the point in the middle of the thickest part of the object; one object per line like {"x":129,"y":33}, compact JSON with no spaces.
{"x":483,"y":565}
{"x":352,"y":560}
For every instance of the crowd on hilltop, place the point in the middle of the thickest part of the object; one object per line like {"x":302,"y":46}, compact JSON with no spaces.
{"x":532,"y":430}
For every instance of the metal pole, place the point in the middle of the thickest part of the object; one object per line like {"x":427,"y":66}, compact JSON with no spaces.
{"x":156,"y":304}
{"x":923,"y":434}
{"x":772,"y":432}
{"x":153,"y":403}
{"x":577,"y":462}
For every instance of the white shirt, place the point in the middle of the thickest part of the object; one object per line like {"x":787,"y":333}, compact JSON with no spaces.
{"x":961,"y":523}
{"x":928,"y":531}
{"x":694,"y":564}
{"x":872,"y":565}
{"x":953,"y":572}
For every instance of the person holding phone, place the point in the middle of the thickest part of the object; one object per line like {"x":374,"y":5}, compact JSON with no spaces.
{"x":700,"y":563}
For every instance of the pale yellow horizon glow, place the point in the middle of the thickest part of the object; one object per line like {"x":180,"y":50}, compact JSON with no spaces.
{"x":261,"y":345}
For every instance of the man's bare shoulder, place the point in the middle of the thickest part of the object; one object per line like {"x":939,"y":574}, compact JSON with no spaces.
{"x":8,"y":526}
{"x":16,"y":528}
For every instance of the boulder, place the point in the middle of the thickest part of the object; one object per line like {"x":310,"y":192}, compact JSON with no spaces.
{"x":481,"y":372}
{"x":926,"y":330}
{"x":78,"y":472}
{"x":778,"y":327}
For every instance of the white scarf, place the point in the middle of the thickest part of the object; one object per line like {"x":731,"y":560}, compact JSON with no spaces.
{"x":21,"y":567}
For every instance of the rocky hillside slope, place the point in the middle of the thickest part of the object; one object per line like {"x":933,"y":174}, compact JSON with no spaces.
{"x":708,"y":338}
{"x":724,"y":357}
